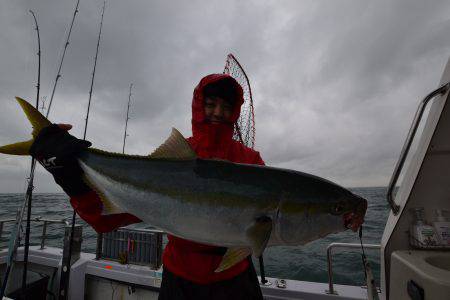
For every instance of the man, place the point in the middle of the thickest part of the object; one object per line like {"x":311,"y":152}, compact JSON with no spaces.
{"x":188,"y":266}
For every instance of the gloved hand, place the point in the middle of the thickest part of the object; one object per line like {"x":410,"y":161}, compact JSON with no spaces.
{"x":57,"y":150}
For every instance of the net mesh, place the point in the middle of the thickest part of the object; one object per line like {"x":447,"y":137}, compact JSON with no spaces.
{"x":244,"y":128}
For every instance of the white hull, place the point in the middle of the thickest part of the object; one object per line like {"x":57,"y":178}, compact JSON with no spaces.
{"x":99,"y":279}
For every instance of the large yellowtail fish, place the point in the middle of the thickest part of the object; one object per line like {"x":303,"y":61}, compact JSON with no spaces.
{"x":242,"y":207}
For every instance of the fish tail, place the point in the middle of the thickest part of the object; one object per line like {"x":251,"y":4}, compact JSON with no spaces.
{"x":37,"y":120}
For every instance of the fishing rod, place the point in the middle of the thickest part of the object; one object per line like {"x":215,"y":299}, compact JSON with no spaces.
{"x":33,"y":162}
{"x":15,"y":235}
{"x":58,"y":75}
{"x":65,"y":274}
{"x":43,"y":104}
{"x":93,"y":72}
{"x":126,"y":120}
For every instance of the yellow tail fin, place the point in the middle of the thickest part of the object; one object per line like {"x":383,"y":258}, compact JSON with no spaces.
{"x":37,"y":120}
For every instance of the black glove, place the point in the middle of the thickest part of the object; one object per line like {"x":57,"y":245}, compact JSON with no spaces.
{"x":57,"y":151}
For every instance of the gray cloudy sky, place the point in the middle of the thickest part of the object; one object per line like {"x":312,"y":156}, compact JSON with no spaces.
{"x":335,"y":83}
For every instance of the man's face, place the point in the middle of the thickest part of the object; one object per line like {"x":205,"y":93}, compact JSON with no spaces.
{"x":217,"y":110}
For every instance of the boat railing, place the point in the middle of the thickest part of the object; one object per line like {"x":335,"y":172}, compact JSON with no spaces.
{"x":142,"y":246}
{"x":159,"y":233}
{"x":330,"y":256}
{"x":100,"y":238}
{"x":408,"y":142}
{"x":38,"y":219}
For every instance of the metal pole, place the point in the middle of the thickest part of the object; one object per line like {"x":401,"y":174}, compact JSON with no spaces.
{"x":261,"y":270}
{"x":330,"y":263}
{"x":44,"y":235}
{"x":99,"y":248}
{"x":408,"y":142}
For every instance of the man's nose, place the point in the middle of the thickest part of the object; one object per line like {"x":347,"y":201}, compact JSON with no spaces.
{"x":218,"y":111}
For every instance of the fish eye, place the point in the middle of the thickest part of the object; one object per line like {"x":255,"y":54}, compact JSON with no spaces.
{"x":337,"y":209}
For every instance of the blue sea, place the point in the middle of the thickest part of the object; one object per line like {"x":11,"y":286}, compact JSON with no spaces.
{"x":307,"y":263}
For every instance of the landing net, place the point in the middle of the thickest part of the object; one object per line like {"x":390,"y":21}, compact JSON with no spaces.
{"x":244,"y":128}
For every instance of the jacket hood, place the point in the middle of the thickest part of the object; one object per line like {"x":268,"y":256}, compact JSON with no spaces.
{"x":212,"y":140}
{"x":198,"y":101}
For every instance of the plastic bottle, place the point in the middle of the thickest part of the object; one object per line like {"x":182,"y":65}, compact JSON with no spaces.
{"x":442,"y":226}
{"x":421,"y":234}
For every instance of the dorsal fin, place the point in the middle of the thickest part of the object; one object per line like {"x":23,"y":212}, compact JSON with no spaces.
{"x":175,"y":147}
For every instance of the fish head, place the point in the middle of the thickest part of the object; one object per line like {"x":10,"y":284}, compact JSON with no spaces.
{"x":300,"y":222}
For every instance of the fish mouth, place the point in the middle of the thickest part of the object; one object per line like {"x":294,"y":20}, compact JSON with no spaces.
{"x":354,"y":219}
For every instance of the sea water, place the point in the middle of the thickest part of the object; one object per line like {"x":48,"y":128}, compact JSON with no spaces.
{"x":308,"y":263}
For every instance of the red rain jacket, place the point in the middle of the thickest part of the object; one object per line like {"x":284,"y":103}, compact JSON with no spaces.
{"x":192,"y":261}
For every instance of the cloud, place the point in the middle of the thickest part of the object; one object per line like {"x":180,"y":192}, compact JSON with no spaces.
{"x":335,"y":84}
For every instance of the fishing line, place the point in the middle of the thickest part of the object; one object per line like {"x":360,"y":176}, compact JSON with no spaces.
{"x":372,"y":292}
{"x":363,"y":255}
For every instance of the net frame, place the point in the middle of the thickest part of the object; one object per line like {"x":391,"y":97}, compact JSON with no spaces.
{"x":244,"y":128}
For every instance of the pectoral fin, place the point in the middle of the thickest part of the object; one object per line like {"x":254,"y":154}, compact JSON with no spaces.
{"x":232,"y":257}
{"x":259,"y":234}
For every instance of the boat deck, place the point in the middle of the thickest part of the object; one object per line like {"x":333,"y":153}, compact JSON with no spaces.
{"x":93,"y":279}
